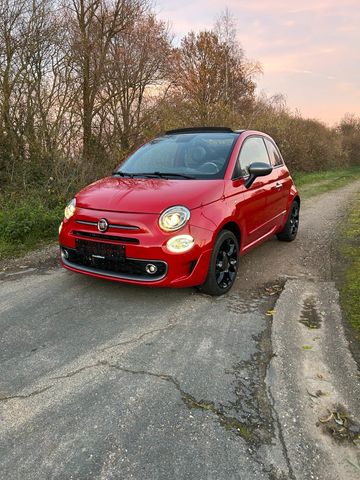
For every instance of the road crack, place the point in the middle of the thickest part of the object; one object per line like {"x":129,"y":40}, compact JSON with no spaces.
{"x":138,"y":338}
{"x":86,"y":367}
{"x":75,"y":372}
{"x":229,"y":423}
{"x":25,"y":396}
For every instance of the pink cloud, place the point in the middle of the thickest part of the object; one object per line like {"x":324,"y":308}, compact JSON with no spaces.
{"x":309,"y":49}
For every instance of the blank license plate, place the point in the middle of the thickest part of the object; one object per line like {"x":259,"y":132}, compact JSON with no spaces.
{"x":104,"y":251}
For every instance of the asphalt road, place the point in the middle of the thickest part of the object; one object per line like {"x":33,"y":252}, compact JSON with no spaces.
{"x":100,"y":380}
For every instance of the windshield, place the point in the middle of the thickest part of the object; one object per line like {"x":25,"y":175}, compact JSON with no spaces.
{"x":187,"y":156}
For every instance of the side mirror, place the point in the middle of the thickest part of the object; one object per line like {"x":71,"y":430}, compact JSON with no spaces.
{"x":257,"y":169}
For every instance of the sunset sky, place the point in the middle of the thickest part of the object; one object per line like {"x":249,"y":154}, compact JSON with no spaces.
{"x":309,"y":49}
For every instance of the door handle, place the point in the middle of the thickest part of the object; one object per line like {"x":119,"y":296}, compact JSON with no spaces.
{"x":278,"y":185}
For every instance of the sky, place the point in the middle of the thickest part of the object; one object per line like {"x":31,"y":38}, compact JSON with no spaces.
{"x":309,"y":49}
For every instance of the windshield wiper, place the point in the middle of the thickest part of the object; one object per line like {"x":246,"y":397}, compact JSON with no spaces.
{"x":153,"y":174}
{"x":167,"y":174}
{"x":123,"y":174}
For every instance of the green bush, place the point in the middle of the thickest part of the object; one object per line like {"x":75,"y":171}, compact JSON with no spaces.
{"x":29,"y":221}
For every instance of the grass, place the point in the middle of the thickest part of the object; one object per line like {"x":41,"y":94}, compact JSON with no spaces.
{"x":315,"y":183}
{"x":9,"y":250}
{"x":27,"y":224}
{"x":350,"y":278}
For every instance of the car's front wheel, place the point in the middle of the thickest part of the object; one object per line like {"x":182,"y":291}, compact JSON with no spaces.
{"x":223,"y":265}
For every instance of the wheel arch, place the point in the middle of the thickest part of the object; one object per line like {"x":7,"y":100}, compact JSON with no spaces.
{"x":233,"y":227}
{"x":293,"y":197}
{"x":219,"y":282}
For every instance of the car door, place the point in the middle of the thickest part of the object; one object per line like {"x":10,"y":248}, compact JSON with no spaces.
{"x":251,"y":204}
{"x":280,"y":184}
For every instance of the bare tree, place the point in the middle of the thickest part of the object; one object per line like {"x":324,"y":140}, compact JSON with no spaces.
{"x":94,"y":24}
{"x":213,"y":78}
{"x":138,"y":66}
{"x":11,"y":43}
{"x":35,"y":88}
{"x":239,"y":70}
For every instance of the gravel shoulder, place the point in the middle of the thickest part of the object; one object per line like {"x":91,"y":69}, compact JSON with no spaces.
{"x":314,"y":383}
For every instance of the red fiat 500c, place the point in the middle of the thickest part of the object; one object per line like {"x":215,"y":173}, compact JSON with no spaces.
{"x":181,"y":210}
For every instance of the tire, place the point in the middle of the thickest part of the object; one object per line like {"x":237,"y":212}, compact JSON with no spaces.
{"x":223,"y":266}
{"x":289,"y":232}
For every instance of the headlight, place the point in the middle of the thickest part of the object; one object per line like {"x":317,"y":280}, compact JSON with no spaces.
{"x":180,"y":243}
{"x":70,"y":209}
{"x":174,"y":218}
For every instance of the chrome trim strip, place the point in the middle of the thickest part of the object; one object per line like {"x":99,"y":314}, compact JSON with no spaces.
{"x":123,"y":276}
{"x":123,"y":227}
{"x":83,"y":222}
{"x":111,"y":225}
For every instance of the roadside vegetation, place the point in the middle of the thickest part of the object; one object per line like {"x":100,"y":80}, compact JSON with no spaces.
{"x":350,"y":271}
{"x":315,"y":183}
{"x":26,"y":224}
{"x":83,"y":82}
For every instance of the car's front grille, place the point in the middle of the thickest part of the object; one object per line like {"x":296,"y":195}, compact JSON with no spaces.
{"x":108,"y":264}
{"x":103,"y":236}
{"x":111,"y":225}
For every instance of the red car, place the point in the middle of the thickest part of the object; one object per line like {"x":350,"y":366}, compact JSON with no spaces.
{"x":181,"y":210}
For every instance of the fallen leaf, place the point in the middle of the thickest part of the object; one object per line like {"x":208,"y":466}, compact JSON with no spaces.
{"x":327,"y":419}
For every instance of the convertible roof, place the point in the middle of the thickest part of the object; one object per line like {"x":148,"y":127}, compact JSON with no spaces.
{"x":201,"y":129}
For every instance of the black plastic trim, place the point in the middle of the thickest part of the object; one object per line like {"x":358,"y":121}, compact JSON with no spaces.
{"x":199,"y":130}
{"x":104,"y":236}
{"x":110,"y":274}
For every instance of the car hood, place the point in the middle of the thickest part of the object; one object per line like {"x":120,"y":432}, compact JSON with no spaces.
{"x":148,"y":195}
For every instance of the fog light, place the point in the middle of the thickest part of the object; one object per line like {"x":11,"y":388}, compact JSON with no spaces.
{"x":65,"y":253}
{"x":151,"y":268}
{"x":180,"y":243}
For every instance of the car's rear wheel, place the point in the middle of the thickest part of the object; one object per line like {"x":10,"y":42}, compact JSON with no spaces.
{"x":223,"y":266}
{"x":289,"y":232}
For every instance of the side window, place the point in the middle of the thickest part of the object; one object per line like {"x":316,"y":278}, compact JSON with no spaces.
{"x":253,"y":150}
{"x":274,"y":154}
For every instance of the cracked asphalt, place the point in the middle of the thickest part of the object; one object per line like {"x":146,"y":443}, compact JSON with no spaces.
{"x":100,"y":380}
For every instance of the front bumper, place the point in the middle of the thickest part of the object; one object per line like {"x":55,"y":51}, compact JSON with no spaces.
{"x":126,"y":269}
{"x":144,"y":245}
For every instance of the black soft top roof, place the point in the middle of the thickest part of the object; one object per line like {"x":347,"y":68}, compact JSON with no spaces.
{"x":200,"y":130}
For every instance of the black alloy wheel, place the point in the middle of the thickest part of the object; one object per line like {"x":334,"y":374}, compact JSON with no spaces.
{"x":223,"y":265}
{"x":290,"y":230}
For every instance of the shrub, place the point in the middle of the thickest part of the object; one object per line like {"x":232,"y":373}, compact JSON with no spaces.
{"x":28,"y":221}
